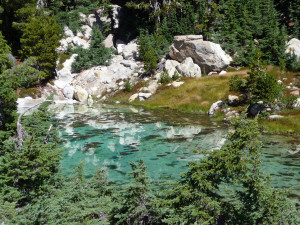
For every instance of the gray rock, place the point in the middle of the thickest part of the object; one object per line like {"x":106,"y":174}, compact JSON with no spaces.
{"x":69,"y":92}
{"x":109,"y":41}
{"x":209,"y":56}
{"x":256,"y":109}
{"x":40,"y":4}
{"x":129,"y":63}
{"x":294,"y":47}
{"x":170,"y":67}
{"x":214,"y":107}
{"x":130,"y":51}
{"x":12,"y":59}
{"x":189,"y":69}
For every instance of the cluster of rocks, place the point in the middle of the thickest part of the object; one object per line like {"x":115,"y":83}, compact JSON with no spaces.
{"x":83,"y":37}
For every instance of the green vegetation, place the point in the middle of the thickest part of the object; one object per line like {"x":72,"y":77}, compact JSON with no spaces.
{"x":33,"y":189}
{"x":96,"y":55}
{"x":40,"y":39}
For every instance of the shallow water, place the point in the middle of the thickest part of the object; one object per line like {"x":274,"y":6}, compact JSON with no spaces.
{"x":111,"y":136}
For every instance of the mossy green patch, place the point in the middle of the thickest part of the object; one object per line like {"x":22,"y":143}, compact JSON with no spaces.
{"x":62,"y":58}
{"x":30,"y":92}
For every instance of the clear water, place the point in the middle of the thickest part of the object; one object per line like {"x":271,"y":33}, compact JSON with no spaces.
{"x":111,"y":136}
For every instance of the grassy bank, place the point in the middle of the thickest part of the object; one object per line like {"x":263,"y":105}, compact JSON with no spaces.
{"x":197,"y":95}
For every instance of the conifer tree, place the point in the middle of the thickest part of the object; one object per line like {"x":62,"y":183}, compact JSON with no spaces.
{"x":40,"y":39}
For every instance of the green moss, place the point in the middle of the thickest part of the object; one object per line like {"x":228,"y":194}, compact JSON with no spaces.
{"x":31,"y":92}
{"x":62,"y":58}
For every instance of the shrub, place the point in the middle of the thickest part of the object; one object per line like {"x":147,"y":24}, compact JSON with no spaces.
{"x":292,"y":63}
{"x":128,"y":87}
{"x":237,"y":84}
{"x":25,"y":75}
{"x":176,"y":76}
{"x":165,"y":78}
{"x":150,"y":61}
{"x":96,"y":55}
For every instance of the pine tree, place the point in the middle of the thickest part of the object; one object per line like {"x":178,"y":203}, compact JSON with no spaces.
{"x":40,"y":39}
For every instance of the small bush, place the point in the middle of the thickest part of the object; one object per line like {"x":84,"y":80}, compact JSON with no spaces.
{"x":292,"y":63}
{"x":128,"y":86}
{"x":165,"y":78}
{"x":96,"y":55}
{"x":237,"y":84}
{"x":176,"y":76}
{"x":25,"y":75}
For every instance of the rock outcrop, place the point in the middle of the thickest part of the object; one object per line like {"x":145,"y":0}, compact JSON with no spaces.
{"x":294,"y":47}
{"x":189,"y":69}
{"x":208,"y":55}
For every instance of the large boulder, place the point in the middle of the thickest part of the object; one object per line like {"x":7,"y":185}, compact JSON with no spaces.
{"x":99,"y":18}
{"x":189,"y":69}
{"x":81,"y":94}
{"x":294,"y":47}
{"x":170,"y":67}
{"x":130,"y":51}
{"x":208,"y":55}
{"x":69,"y":92}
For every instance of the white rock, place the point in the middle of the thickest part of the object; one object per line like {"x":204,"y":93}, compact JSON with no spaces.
{"x":189,"y":69}
{"x":144,"y":95}
{"x":145,"y":90}
{"x":68,"y":32}
{"x":129,"y":63}
{"x":211,"y":73}
{"x":279,"y":82}
{"x":69,"y":92}
{"x":296,"y":105}
{"x":120,"y":45}
{"x":177,"y":84}
{"x":133,"y":97}
{"x":87,"y":31}
{"x":81,"y":94}
{"x":222,"y":72}
{"x":79,"y":34}
{"x":83,"y":17}
{"x":294,"y":47}
{"x":130,"y":50}
{"x":80,"y":42}
{"x":272,"y":117}
{"x":233,"y":99}
{"x":153,"y":85}
{"x":214,"y":107}
{"x":170,"y":67}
